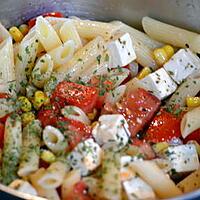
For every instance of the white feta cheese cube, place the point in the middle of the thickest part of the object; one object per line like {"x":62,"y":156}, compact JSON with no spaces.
{"x":159,"y":83}
{"x":121,"y":51}
{"x":183,"y":158}
{"x":86,"y":156}
{"x":136,"y":188}
{"x":111,"y":132}
{"x":182,"y":64}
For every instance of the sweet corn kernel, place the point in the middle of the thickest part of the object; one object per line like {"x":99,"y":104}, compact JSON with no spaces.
{"x":24,"y":29}
{"x":169,"y":50}
{"x":47,"y":156}
{"x":92,"y":115}
{"x":193,"y":101}
{"x":16,"y":34}
{"x":144,"y":72}
{"x":39,"y":98}
{"x":160,"y":146}
{"x":27,"y":118}
{"x":46,"y":101}
{"x":25,"y":104}
{"x":94,"y":124}
{"x":160,"y":56}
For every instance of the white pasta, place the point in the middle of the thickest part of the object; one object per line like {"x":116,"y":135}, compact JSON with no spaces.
{"x":42,"y":70}
{"x":83,"y":58}
{"x":4,"y":34}
{"x":68,"y":32}
{"x":46,"y":34}
{"x":53,"y":176}
{"x":54,"y":139}
{"x":6,"y":106}
{"x":75,"y":113}
{"x":190,"y":122}
{"x":170,"y":34}
{"x":62,"y":54}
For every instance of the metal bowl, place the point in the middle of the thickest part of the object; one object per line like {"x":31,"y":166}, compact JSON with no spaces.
{"x":183,"y":13}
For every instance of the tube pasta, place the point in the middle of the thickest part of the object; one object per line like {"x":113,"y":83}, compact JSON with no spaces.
{"x":170,"y":34}
{"x":148,"y":170}
{"x":68,"y":32}
{"x":25,"y":58}
{"x":69,"y":181}
{"x":138,"y":35}
{"x":62,"y":54}
{"x":54,"y":139}
{"x":190,"y":87}
{"x":6,"y":107}
{"x":75,"y":113}
{"x":46,"y":34}
{"x":12,"y":148}
{"x":29,"y":161}
{"x":190,"y":122}
{"x":42,"y":70}
{"x":4,"y":34}
{"x":91,"y":29}
{"x":83,"y":58}
{"x":53,"y":176}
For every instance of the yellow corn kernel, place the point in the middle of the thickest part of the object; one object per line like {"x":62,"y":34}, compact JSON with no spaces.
{"x":92,"y":115}
{"x":47,"y":156}
{"x":46,"y":101}
{"x":16,"y":34}
{"x":94,"y":124}
{"x":160,"y":56}
{"x":144,"y":72}
{"x":25,"y":104}
{"x":160,"y":146}
{"x":24,"y":29}
{"x":169,"y":50}
{"x":193,"y":101}
{"x":39,"y":99}
{"x":27,"y":118}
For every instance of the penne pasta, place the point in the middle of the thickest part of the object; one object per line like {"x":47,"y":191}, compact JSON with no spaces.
{"x":171,"y":34}
{"x":29,"y":161}
{"x":163,"y":186}
{"x":12,"y":148}
{"x":190,"y":122}
{"x":62,"y":54}
{"x":46,"y":34}
{"x":4,"y":34}
{"x":42,"y":71}
{"x":68,"y":32}
{"x":83,"y":58}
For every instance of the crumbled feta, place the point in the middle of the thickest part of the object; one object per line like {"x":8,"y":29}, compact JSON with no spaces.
{"x":159,"y":83}
{"x":111,"y":132}
{"x":86,"y":156}
{"x":183,"y":158}
{"x":121,"y":51}
{"x":136,"y":188}
{"x":182,"y":64}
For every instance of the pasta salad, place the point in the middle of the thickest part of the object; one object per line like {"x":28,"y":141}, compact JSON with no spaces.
{"x":93,"y":110}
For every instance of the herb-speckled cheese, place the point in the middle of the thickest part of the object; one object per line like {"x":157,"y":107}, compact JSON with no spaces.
{"x":182,"y":64}
{"x":86,"y":156}
{"x":183,"y":158}
{"x":111,"y":132}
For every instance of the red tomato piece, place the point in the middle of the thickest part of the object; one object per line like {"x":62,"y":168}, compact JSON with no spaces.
{"x":47,"y":117}
{"x":164,"y":127}
{"x":138,"y":108}
{"x":32,"y":21}
{"x":193,"y":136}
{"x":1,"y":135}
{"x":76,"y":131}
{"x":84,"y":97}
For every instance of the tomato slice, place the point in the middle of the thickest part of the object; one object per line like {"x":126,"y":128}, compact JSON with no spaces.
{"x":164,"y":127}
{"x":193,"y":136}
{"x":84,"y":97}
{"x":138,"y":108}
{"x":1,"y":135}
{"x":75,"y":131}
{"x":32,"y":21}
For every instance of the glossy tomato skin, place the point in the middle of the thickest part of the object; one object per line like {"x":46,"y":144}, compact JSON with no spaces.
{"x":138,"y":107}
{"x":164,"y":127}
{"x":84,"y":97}
{"x":193,"y":136}
{"x":75,"y":131}
{"x":1,"y":135}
